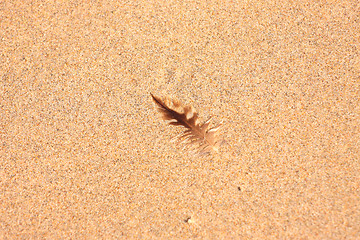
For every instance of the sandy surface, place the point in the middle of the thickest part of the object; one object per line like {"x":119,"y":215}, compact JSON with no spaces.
{"x":85,"y":155}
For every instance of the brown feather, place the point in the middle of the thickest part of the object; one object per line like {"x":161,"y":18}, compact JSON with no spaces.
{"x":196,"y":135}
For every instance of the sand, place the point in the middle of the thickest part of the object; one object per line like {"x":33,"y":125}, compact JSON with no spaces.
{"x":85,"y":155}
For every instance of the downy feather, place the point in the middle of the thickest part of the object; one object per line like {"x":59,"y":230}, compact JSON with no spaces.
{"x":198,"y":136}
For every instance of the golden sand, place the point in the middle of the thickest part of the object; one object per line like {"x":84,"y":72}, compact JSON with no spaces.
{"x":84,"y":154}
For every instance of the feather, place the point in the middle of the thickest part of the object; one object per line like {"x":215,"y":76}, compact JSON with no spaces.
{"x":197,"y":136}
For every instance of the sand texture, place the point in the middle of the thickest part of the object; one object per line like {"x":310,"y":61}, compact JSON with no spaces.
{"x":85,"y":155}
